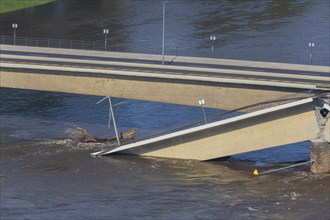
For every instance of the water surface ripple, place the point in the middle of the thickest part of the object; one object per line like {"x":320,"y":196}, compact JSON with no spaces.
{"x":43,"y":177}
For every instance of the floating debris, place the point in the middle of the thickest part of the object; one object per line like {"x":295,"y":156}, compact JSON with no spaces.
{"x":80,"y":136}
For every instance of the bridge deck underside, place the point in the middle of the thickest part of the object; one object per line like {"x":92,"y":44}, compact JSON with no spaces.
{"x":220,"y":95}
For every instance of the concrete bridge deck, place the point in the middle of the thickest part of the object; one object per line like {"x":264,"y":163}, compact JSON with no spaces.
{"x":184,"y":80}
{"x":284,"y":124}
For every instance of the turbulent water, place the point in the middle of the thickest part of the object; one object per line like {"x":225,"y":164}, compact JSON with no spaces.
{"x":49,"y":180}
{"x":44,"y":177}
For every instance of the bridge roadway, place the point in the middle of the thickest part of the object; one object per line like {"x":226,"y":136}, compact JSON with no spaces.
{"x":223,"y":84}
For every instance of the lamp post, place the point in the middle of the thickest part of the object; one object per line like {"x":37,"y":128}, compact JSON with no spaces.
{"x":114,"y":121}
{"x":14,"y":25}
{"x":163,"y":44}
{"x":111,"y":115}
{"x":105,"y":32}
{"x":311,"y":46}
{"x":213,"y":38}
{"x":202,"y":103}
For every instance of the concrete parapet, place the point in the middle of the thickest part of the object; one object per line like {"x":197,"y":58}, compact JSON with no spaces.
{"x":320,"y":155}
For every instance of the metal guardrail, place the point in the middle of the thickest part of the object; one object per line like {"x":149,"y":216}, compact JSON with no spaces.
{"x":81,"y":45}
{"x":302,"y":56}
{"x":60,"y":43}
{"x":98,"y":46}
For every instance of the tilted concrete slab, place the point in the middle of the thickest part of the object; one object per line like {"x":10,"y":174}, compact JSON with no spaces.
{"x":280,"y":125}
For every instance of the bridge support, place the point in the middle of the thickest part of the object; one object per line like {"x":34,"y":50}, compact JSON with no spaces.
{"x":320,"y":154}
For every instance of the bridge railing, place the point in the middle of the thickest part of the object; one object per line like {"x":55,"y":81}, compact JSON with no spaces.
{"x":93,"y":45}
{"x":301,"y":56}
{"x":60,"y":43}
{"x":83,"y":45}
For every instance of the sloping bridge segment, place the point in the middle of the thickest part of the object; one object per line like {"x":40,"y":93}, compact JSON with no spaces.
{"x":279,"y":125}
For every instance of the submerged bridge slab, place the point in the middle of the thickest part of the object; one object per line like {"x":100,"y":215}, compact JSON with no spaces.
{"x":280,"y":125}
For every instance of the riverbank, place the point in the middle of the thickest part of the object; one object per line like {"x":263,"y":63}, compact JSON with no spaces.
{"x":13,"y":5}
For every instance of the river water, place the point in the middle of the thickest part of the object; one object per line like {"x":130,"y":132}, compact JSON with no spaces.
{"x":43,"y":177}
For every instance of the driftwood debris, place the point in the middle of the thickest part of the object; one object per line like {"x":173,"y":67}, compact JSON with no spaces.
{"x":81,"y":135}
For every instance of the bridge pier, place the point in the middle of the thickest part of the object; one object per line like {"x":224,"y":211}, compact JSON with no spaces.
{"x":320,"y":154}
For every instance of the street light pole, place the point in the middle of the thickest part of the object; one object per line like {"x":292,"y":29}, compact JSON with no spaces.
{"x":311,"y":46}
{"x":14,"y":25}
{"x":202,"y":103}
{"x":111,"y":115}
{"x":114,"y":120}
{"x":105,"y":32}
{"x":163,"y":44}
{"x":213,"y":38}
